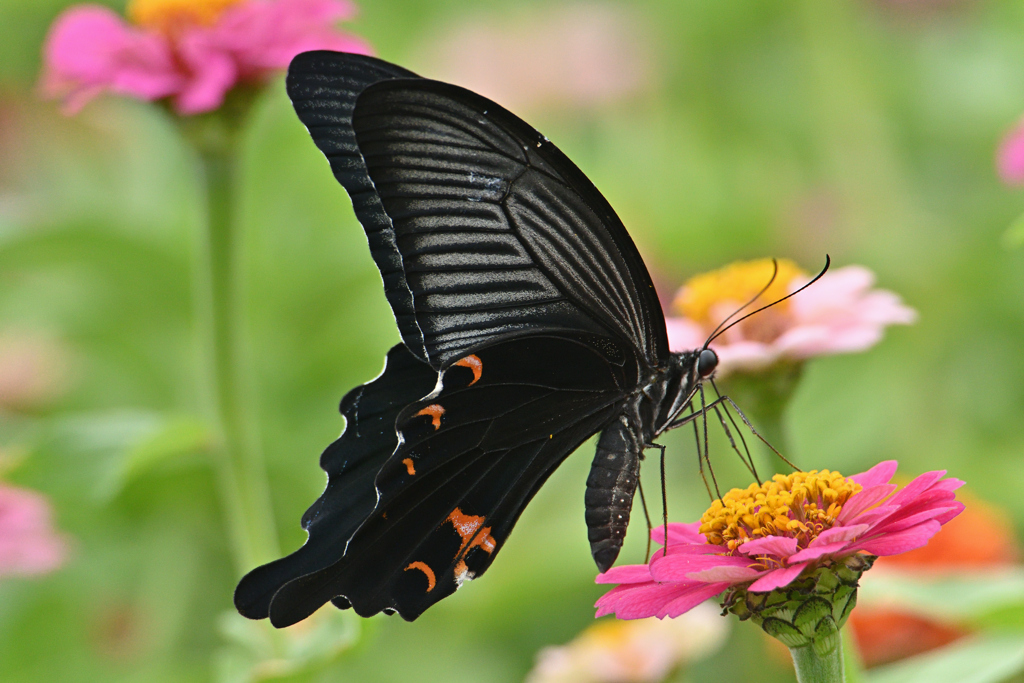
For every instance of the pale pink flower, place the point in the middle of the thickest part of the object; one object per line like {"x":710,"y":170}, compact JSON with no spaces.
{"x":193,"y":51}
{"x":33,"y":370}
{"x":828,"y":518}
{"x":28,"y":543}
{"x":1010,"y":157}
{"x":840,"y":313}
{"x":574,"y":56}
{"x":639,"y":651}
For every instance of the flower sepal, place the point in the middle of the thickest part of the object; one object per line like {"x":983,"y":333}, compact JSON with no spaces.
{"x":810,"y":611}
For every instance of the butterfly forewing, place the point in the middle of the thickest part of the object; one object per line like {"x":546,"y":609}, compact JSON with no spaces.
{"x":495,"y":235}
{"x":323,"y":87}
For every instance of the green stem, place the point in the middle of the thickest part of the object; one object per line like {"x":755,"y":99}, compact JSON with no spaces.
{"x":763,"y":397}
{"x":241,"y":473}
{"x":811,"y":667}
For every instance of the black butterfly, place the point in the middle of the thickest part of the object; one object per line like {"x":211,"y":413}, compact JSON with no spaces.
{"x":529,"y":322}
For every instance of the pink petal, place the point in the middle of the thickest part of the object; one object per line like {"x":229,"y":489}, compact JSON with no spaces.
{"x":677,"y":567}
{"x":879,"y":474}
{"x":744,"y":355}
{"x":679,"y":533}
{"x":687,"y":549}
{"x":726,"y":574}
{"x":779,"y":546}
{"x":868,"y":497}
{"x":688,"y":601}
{"x":266,"y":34}
{"x":901,"y":541}
{"x":1010,"y":157}
{"x":777,"y":578}
{"x":900,"y":522}
{"x":90,"y":49}
{"x":839,"y":533}
{"x":684,"y":334}
{"x":915,"y":488}
{"x":874,"y":516}
{"x":814,"y":553}
{"x":641,"y":600}
{"x":627,"y":573}
{"x":212,"y":72}
{"x":28,"y":543}
{"x":951,"y":513}
{"x":948,"y":484}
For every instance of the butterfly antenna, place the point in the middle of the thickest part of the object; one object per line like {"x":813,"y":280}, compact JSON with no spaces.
{"x":718,"y":333}
{"x":643,"y":503}
{"x":715,"y":332}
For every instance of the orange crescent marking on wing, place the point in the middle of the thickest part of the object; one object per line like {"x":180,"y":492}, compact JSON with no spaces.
{"x":474,"y":363}
{"x":422,"y":566}
{"x":435,"y":412}
{"x":466,"y":526}
{"x":409,"y":466}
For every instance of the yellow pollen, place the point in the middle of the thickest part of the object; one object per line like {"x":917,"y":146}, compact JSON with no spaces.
{"x":799,"y":505}
{"x":170,"y":16}
{"x":707,"y":298}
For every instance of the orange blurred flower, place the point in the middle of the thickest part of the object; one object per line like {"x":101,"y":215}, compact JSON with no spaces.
{"x":980,"y":538}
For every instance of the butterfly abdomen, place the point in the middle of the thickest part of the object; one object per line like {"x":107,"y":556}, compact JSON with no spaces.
{"x":610,"y":488}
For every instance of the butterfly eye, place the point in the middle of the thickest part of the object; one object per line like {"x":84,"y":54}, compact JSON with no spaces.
{"x":707,"y":363}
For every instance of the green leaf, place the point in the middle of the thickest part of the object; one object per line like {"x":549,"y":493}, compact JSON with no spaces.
{"x":256,"y":651}
{"x":1013,"y":238}
{"x":127,"y":443}
{"x":956,"y":597}
{"x":987,"y":659}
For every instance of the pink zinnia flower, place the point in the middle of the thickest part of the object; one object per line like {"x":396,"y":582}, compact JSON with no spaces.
{"x":194,"y":51}
{"x":28,"y":543}
{"x":840,"y":313}
{"x":764,"y":537}
{"x":1010,"y":157}
{"x":638,"y":651}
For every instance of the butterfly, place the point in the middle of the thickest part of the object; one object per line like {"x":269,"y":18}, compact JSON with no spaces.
{"x":528,"y":321}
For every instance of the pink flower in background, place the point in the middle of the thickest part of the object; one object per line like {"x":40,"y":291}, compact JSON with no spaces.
{"x":28,"y":543}
{"x":33,"y":369}
{"x":840,"y":313}
{"x":765,"y":536}
{"x":1010,"y":157}
{"x":193,"y":51}
{"x":639,"y":651}
{"x":557,"y":56}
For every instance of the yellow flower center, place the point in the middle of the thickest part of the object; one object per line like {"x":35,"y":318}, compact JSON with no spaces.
{"x":170,"y":16}
{"x":708,"y":298}
{"x":799,"y":505}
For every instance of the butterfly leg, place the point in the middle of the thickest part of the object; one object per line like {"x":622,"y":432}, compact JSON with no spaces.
{"x":725,"y":397}
{"x":744,"y":456}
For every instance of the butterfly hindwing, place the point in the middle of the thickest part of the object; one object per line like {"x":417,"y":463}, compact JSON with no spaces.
{"x":471,"y":457}
{"x":352,"y":463}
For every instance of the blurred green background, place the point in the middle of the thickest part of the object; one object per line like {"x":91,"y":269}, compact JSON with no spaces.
{"x":790,"y":128}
